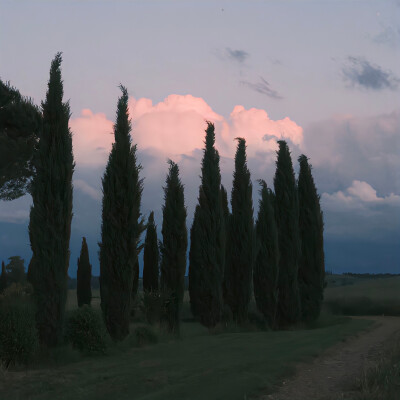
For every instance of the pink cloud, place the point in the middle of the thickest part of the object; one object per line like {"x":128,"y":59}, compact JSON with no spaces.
{"x":175,"y":127}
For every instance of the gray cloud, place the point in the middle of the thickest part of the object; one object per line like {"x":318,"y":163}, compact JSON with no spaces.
{"x":263,"y":87}
{"x":239,"y":56}
{"x":388,"y":35}
{"x":359,"y":72}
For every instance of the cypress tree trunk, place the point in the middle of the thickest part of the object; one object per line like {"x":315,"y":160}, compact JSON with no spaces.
{"x":150,"y":257}
{"x":84,"y":276}
{"x":311,"y":266}
{"x":121,"y":228}
{"x":51,"y":213}
{"x":210,"y":234}
{"x":287,"y":220}
{"x":173,"y":249}
{"x":3,"y":277}
{"x":241,"y":240}
{"x":265,"y":278}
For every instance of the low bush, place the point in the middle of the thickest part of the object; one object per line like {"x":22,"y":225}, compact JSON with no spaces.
{"x":18,"y":333}
{"x":142,"y":336}
{"x":85,"y":330}
{"x":151,"y":307}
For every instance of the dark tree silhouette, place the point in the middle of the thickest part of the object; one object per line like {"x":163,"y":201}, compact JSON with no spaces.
{"x":3,"y":277}
{"x":173,"y":249}
{"x":194,"y":264}
{"x":265,"y":277}
{"x":311,"y":266}
{"x":287,"y":220}
{"x":51,"y":213}
{"x":151,"y":257}
{"x":121,"y":228}
{"x":84,"y":276}
{"x":210,"y":235}
{"x":241,"y":239}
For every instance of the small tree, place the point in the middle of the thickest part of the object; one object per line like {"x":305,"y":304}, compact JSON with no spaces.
{"x":151,"y":257}
{"x":84,"y":276}
{"x":121,"y":228}
{"x":265,"y":278}
{"x":287,"y":220}
{"x":311,"y":266}
{"x":241,"y":239}
{"x":173,"y":249}
{"x":3,"y":277}
{"x":16,"y":270}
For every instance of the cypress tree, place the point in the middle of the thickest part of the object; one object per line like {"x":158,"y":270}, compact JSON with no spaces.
{"x":84,"y":276}
{"x":3,"y":277}
{"x":241,"y":239}
{"x":150,"y":257}
{"x":120,"y":228}
{"x":51,"y":213}
{"x":210,"y":235}
{"x":287,"y":220}
{"x":173,"y":249}
{"x":311,"y":266}
{"x":265,"y":278}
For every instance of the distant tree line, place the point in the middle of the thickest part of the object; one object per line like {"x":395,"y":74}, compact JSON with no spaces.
{"x":276,"y":257}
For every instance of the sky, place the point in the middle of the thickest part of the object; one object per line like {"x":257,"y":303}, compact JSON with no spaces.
{"x":322,"y":75}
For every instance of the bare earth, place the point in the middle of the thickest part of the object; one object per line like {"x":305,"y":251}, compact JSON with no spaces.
{"x":334,"y":373}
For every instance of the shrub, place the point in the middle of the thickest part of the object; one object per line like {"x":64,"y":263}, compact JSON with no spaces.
{"x":85,"y":330}
{"x":18,"y":334}
{"x":152,"y":306}
{"x":143,"y":335}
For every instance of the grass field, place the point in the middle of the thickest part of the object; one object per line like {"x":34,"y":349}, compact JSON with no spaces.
{"x":365,"y":297}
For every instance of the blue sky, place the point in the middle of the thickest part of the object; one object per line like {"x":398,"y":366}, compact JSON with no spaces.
{"x":323,"y":75}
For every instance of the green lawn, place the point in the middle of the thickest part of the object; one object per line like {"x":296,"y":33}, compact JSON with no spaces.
{"x":198,"y":366}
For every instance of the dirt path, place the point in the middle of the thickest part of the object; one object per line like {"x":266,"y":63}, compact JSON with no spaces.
{"x":334,"y":372}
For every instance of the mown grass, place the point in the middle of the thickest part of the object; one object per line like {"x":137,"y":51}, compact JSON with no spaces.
{"x":368,"y":297}
{"x":200,"y":365}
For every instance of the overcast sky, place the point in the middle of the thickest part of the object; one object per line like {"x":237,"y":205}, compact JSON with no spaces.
{"x":323,"y":75}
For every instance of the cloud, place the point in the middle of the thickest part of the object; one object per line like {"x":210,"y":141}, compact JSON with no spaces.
{"x":16,"y":211}
{"x":263,"y":87}
{"x":236,"y":55}
{"x":87,"y":189}
{"x":359,"y":72}
{"x":388,"y":35}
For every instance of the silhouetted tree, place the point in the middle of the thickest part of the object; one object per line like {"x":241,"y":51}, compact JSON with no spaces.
{"x":84,"y":276}
{"x":241,"y":239}
{"x":15,"y":270}
{"x":3,"y":277}
{"x":173,"y":249}
{"x":51,"y":213}
{"x":311,"y":266}
{"x":287,"y":220}
{"x":194,"y":264}
{"x":210,"y":233}
{"x":121,"y":228}
{"x":265,"y":277}
{"x":151,"y":257}
{"x":20,"y":130}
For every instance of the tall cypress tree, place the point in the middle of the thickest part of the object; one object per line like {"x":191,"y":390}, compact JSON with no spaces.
{"x":287,"y":220}
{"x":311,"y":266}
{"x":51,"y":213}
{"x":210,"y":233}
{"x":120,"y":228}
{"x":84,"y":276}
{"x":265,"y":278}
{"x":3,"y":277}
{"x":241,"y":239}
{"x":150,"y":257}
{"x":173,"y":248}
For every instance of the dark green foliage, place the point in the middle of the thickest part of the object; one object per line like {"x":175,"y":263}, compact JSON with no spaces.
{"x":143,"y":335}
{"x":15,"y":270}
{"x":194,"y":264}
{"x":152,"y":306}
{"x":150,"y":257}
{"x":311,"y":225}
{"x":84,"y":276}
{"x":20,"y":129}
{"x":265,"y":276}
{"x":51,"y":213}
{"x":208,"y":239}
{"x":3,"y":277}
{"x":287,"y":220}
{"x":85,"y":330}
{"x":241,"y":239}
{"x":173,"y":249}
{"x":18,"y":334}
{"x":121,"y":228}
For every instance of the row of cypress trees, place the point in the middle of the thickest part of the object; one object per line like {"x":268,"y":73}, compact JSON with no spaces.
{"x":227,"y":251}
